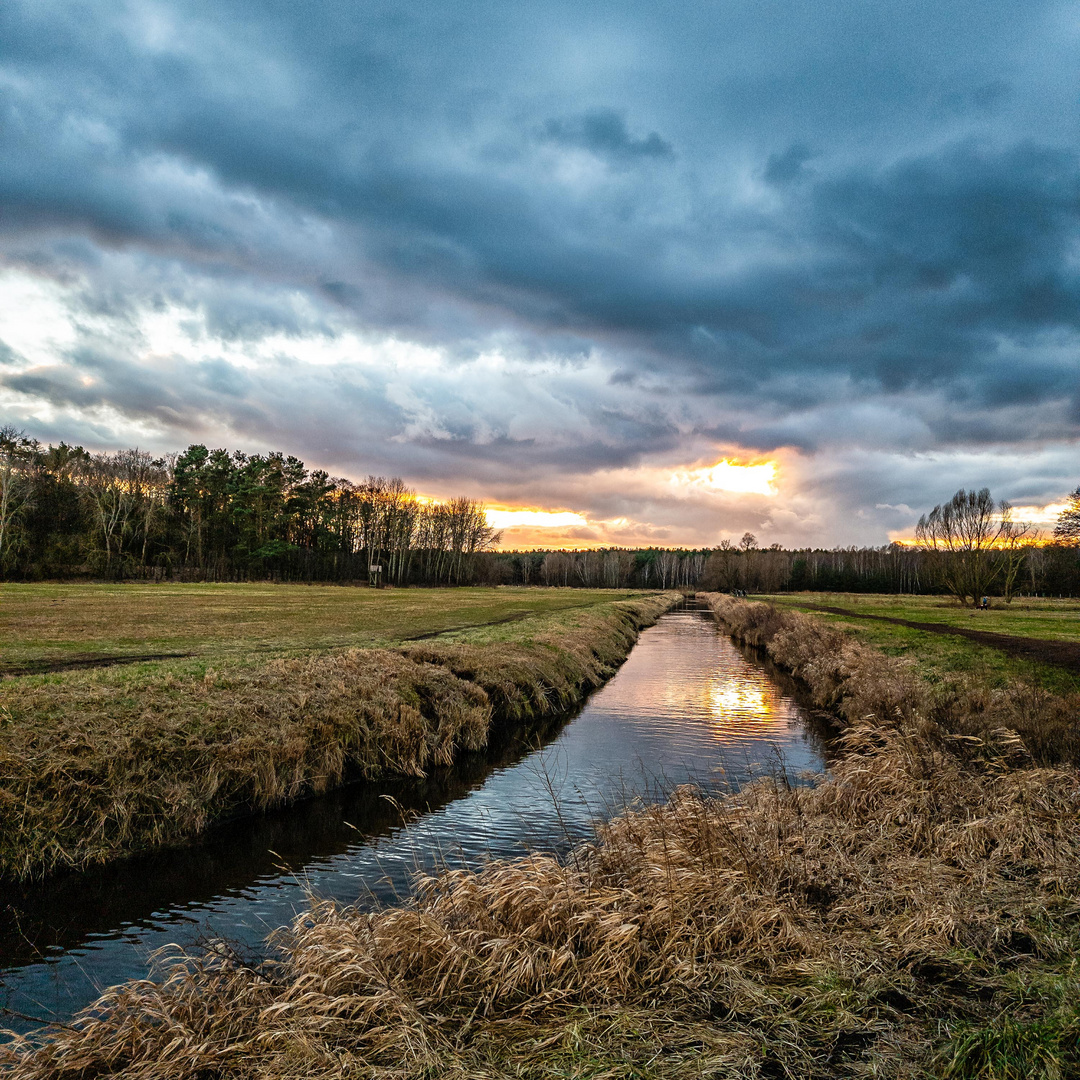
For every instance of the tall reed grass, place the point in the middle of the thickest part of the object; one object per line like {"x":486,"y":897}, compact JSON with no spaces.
{"x":857,"y":681}
{"x":914,"y":914}
{"x":94,"y":766}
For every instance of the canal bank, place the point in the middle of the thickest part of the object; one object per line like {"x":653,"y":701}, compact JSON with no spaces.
{"x":97,"y":765}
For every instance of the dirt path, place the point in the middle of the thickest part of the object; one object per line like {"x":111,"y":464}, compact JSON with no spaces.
{"x":74,"y":663}
{"x":514,"y":616}
{"x":1064,"y":654}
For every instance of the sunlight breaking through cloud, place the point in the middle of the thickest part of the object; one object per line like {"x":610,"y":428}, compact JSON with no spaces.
{"x":1040,"y":515}
{"x":727,"y":475}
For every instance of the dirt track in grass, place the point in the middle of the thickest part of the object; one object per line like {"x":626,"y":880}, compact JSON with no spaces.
{"x":1065,"y":654}
{"x":78,"y":663}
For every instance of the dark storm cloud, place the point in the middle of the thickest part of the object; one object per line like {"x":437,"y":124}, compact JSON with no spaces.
{"x":176,"y":395}
{"x":605,"y":134}
{"x":782,"y":169}
{"x":769,"y":224}
{"x":898,"y":275}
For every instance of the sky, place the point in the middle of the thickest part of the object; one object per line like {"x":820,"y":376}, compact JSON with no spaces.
{"x":632,"y":273}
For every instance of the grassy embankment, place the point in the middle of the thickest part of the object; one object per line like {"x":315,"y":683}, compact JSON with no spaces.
{"x":1028,"y":679}
{"x":284,"y":691}
{"x":917,"y":913}
{"x":941,"y":657}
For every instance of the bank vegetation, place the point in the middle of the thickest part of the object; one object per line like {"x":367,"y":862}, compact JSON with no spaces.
{"x":854,"y":680}
{"x":914,"y":913}
{"x":99,"y":764}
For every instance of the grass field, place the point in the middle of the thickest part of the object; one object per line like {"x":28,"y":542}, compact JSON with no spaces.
{"x":43,"y":625}
{"x":1054,"y":620}
{"x":278,"y":692}
{"x":941,"y":657}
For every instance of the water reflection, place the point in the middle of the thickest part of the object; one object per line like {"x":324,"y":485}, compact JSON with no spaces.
{"x":745,"y":707}
{"x":687,"y":706}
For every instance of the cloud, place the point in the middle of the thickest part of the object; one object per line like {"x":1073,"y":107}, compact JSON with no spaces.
{"x":785,"y":168}
{"x":544,"y":249}
{"x":603,"y":132}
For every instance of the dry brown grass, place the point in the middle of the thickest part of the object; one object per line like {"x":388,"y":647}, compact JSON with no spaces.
{"x":837,"y":930}
{"x":857,"y":681}
{"x":914,"y":914}
{"x":99,"y":764}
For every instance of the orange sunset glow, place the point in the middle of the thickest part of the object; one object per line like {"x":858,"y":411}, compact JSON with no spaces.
{"x":536,"y":526}
{"x":1040,"y":518}
{"x":504,"y":517}
{"x":727,"y":475}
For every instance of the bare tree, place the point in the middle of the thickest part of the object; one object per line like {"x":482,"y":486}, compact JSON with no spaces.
{"x":557,"y":568}
{"x":618,"y":566}
{"x":695,"y":567}
{"x":587,"y":568}
{"x":611,"y":569}
{"x":722,"y":568}
{"x":1017,"y":550}
{"x":469,"y":531}
{"x":103,"y":487}
{"x":146,"y":482}
{"x":14,"y":484}
{"x":748,"y":545}
{"x":973,"y":541}
{"x":125,"y":491}
{"x":668,"y":565}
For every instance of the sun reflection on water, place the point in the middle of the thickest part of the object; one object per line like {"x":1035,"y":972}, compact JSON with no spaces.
{"x":728,"y":696}
{"x":725,"y":705}
{"x":738,"y":705}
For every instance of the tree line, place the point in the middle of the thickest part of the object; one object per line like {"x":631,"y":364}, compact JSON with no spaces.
{"x":1042,"y":569}
{"x":970,"y":547}
{"x":216,"y":515}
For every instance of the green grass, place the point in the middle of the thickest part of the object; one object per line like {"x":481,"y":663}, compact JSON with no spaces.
{"x":941,"y":657}
{"x":1035,"y":1034}
{"x":49,"y":624}
{"x":1054,"y":620}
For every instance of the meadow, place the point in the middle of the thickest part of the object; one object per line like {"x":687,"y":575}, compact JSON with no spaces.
{"x":942,"y":656}
{"x":136,"y":716}
{"x":46,"y":626}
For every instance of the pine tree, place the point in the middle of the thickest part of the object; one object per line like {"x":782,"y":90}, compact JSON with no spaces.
{"x":1067,"y":529}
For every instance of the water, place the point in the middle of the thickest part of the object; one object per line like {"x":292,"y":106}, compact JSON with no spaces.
{"x":687,"y":706}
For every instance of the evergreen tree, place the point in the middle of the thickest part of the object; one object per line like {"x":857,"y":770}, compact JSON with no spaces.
{"x":1067,"y":529}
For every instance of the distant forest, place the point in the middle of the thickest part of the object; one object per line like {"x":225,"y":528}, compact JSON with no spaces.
{"x":215,"y":515}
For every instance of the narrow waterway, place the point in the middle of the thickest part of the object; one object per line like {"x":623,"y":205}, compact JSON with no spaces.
{"x":687,"y":706}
